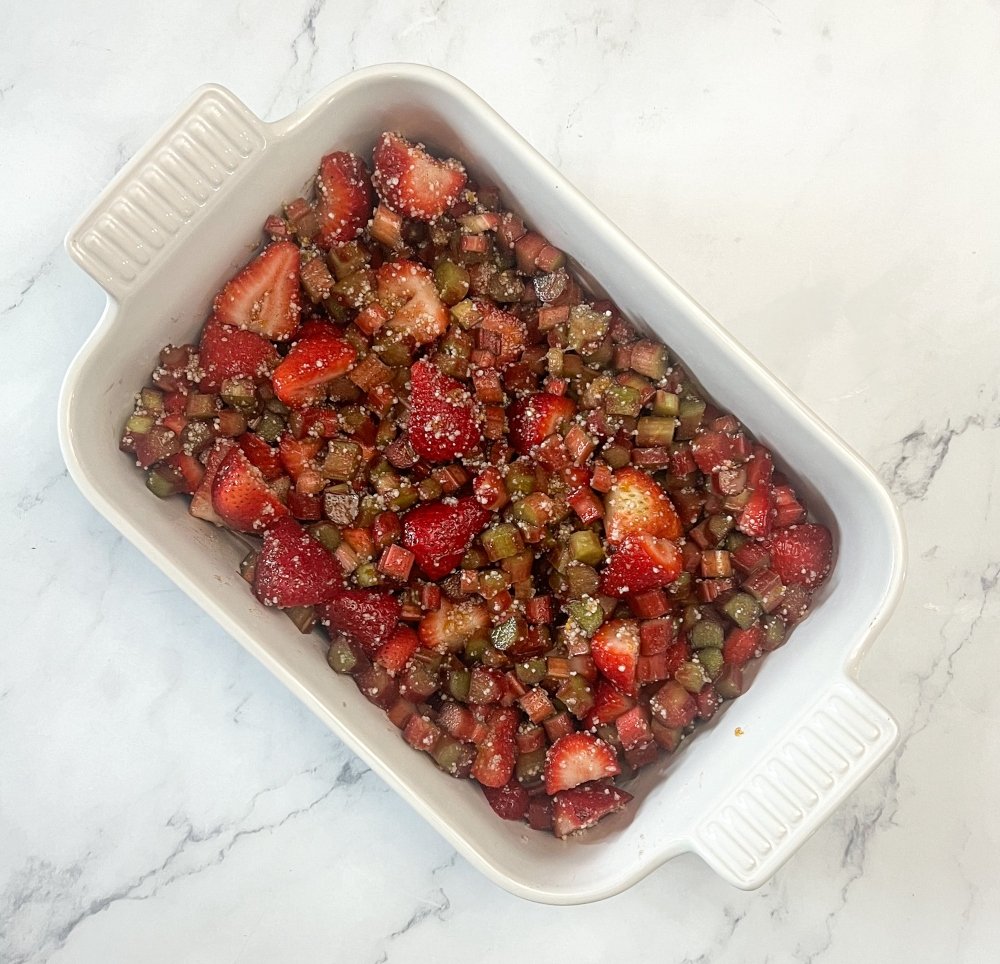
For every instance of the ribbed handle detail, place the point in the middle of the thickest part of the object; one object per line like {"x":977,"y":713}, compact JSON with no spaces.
{"x":789,"y":794}
{"x":165,"y":189}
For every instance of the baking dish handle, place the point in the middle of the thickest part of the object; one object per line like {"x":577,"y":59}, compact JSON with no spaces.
{"x":757,"y":826}
{"x":164,"y":190}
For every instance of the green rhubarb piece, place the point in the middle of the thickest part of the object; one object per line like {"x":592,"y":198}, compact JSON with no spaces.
{"x":742,"y":609}
{"x":711,"y":661}
{"x":452,"y":281}
{"x":706,"y":633}
{"x":691,"y":412}
{"x":502,"y":541}
{"x":587,"y":614}
{"x":622,"y":400}
{"x":531,"y":671}
{"x":585,"y":546}
{"x":341,"y":657}
{"x":666,"y":404}
{"x":774,"y":632}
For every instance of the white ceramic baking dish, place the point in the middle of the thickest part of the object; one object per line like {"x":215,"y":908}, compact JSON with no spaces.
{"x":187,"y":210}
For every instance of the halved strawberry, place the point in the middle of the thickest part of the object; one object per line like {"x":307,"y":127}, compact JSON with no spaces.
{"x":452,"y":625}
{"x":801,"y":554}
{"x":293,"y":569}
{"x":396,"y":651}
{"x":262,"y":455}
{"x":240,"y":496}
{"x":578,"y":758}
{"x":368,"y":616}
{"x":510,"y":802}
{"x":609,"y":703}
{"x":497,"y":754}
{"x":756,"y":517}
{"x":439,"y":534}
{"x":189,"y":469}
{"x":201,"y":501}
{"x":226,"y":352}
{"x":533,"y":418}
{"x":642,"y":563}
{"x":307,"y":370}
{"x":443,"y":423}
{"x":742,"y":645}
{"x":412,"y":182}
{"x":296,"y":455}
{"x":264,"y":296}
{"x":636,"y":504}
{"x":343,"y":198}
{"x":581,"y":807}
{"x":407,"y":292}
{"x":615,"y":650}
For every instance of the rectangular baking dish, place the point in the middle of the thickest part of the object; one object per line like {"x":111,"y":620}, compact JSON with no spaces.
{"x":187,"y":210}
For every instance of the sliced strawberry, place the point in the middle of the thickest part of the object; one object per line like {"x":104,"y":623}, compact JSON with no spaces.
{"x":443,"y":423}
{"x":296,"y":455}
{"x":343,"y":198}
{"x":756,"y":517}
{"x":742,"y":645}
{"x":581,"y":807}
{"x":641,"y":563}
{"x":406,"y":290}
{"x":264,"y":296}
{"x":510,"y":802}
{"x":293,"y":569}
{"x":439,"y":534}
{"x":609,"y":703}
{"x":396,"y":651}
{"x":535,"y":417}
{"x":307,"y":370}
{"x":715,"y":451}
{"x":452,"y":625}
{"x":615,"y":650}
{"x":497,"y":754}
{"x":190,"y":470}
{"x":801,"y":554}
{"x":636,"y":504}
{"x":227,"y":352}
{"x":201,"y":501}
{"x":241,"y":498}
{"x":368,"y":616}
{"x":412,"y":182}
{"x":578,"y":758}
{"x":262,"y":455}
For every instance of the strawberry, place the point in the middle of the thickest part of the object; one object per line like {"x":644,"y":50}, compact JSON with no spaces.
{"x":439,"y":534}
{"x":189,"y":470}
{"x":533,"y":418}
{"x":307,"y":370}
{"x":756,"y":516}
{"x":262,"y":455}
{"x":443,"y":423}
{"x":508,"y":328}
{"x":578,"y":758}
{"x":293,"y":569}
{"x":609,"y":703}
{"x":714,"y":451}
{"x":396,"y":651}
{"x":510,"y":802}
{"x":450,"y":627}
{"x":368,"y":616}
{"x":801,"y":554}
{"x":581,"y":807}
{"x":240,"y":496}
{"x":344,"y":198}
{"x":636,"y":504}
{"x":201,"y":501}
{"x":497,"y":754}
{"x":412,"y":182}
{"x":296,"y":455}
{"x":742,"y":645}
{"x":406,"y":290}
{"x":264,"y":296}
{"x":615,"y":650}
{"x":226,"y":351}
{"x":641,"y":563}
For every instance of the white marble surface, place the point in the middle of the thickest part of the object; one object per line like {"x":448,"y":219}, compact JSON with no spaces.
{"x":823,"y":177}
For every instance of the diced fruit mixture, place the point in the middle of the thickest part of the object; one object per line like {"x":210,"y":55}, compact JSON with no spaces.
{"x":533,"y":541}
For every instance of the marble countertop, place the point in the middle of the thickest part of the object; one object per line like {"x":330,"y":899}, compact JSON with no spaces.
{"x":822,"y":177}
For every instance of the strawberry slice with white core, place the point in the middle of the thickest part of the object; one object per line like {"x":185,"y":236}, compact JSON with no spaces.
{"x":801,"y":554}
{"x":264,"y":297}
{"x":444,"y":420}
{"x":406,"y":290}
{"x":343,"y":198}
{"x":240,"y":496}
{"x":578,"y":758}
{"x":615,"y":651}
{"x":412,"y":182}
{"x":636,"y":504}
{"x":309,"y":368}
{"x":450,"y":627}
{"x":293,"y":569}
{"x":583,"y":806}
{"x":535,"y":417}
{"x":642,"y":563}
